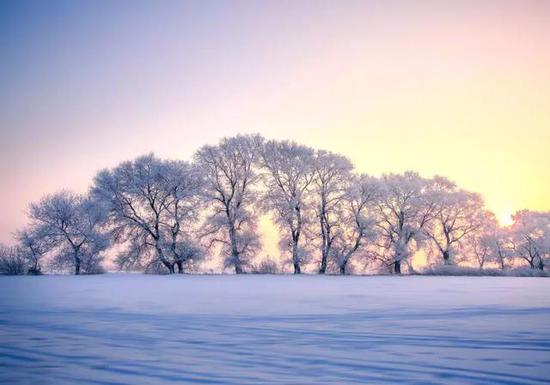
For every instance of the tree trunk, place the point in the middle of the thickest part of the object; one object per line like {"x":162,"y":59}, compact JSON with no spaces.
{"x":34,"y":269}
{"x":397,"y":267}
{"x":323,"y":268}
{"x":234,"y":250}
{"x":169,"y":266}
{"x":447,"y":258}
{"x":296,"y":258}
{"x":76,"y":258}
{"x":324,"y":246}
{"x":343,"y":267}
{"x":180,"y":267}
{"x":238,"y":268}
{"x":295,"y":240}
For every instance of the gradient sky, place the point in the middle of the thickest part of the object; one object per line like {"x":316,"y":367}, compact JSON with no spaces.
{"x":457,"y":88}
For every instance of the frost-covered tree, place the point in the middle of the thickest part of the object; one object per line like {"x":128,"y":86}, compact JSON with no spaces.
{"x":151,"y":206}
{"x":456,"y":214}
{"x":502,"y":251}
{"x":332,"y":176}
{"x":405,"y":208}
{"x":530,"y":236}
{"x":72,"y":225}
{"x":184,"y":185}
{"x":489,"y":243}
{"x":33,"y":245}
{"x":27,"y":255}
{"x":230,"y":175}
{"x":357,"y":220}
{"x":289,"y":173}
{"x":12,"y":262}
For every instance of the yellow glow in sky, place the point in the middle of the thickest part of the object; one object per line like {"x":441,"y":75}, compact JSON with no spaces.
{"x":460,"y":89}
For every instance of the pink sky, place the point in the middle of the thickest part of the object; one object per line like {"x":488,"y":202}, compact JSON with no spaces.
{"x":460,"y":89}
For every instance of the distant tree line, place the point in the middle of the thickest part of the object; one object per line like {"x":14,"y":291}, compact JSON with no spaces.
{"x":168,"y":216}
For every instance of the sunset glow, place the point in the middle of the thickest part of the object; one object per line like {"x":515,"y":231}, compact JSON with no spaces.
{"x":460,"y":89}
{"x":505,"y":219}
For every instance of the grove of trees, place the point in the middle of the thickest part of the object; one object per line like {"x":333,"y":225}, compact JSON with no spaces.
{"x":166,"y":216}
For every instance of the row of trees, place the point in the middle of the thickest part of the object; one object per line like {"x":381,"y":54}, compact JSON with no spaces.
{"x":168,"y":215}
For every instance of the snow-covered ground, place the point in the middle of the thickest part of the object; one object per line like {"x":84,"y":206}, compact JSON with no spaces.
{"x":138,"y":329}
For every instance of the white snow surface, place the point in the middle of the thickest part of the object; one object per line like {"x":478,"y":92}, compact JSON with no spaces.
{"x":261,"y":329}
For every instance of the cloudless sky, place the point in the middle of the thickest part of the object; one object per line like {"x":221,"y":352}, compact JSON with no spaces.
{"x":457,"y":88}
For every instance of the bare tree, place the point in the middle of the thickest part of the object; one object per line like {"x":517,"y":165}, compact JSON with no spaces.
{"x":71,"y":224}
{"x":332,"y":176}
{"x":357,"y":220}
{"x":289,"y":173}
{"x":457,"y":213}
{"x":151,"y":205}
{"x":230,"y":179}
{"x":405,"y":208}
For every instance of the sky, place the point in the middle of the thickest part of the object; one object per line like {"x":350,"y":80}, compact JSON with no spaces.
{"x":460,"y":88}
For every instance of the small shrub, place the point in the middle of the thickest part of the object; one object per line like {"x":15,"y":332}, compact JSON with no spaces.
{"x":267,"y":266}
{"x":11,"y":261}
{"x":527,"y":272}
{"x":452,"y":270}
